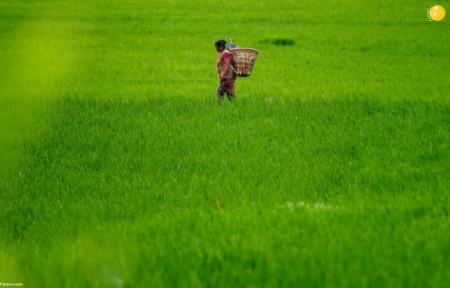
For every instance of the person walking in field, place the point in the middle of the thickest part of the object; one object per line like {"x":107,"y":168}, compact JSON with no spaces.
{"x":226,"y":74}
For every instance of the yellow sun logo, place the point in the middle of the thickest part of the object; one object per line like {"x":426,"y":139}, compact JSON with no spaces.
{"x":436,"y":13}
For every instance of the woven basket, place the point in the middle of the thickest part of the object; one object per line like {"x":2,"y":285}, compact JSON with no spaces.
{"x":243,"y":61}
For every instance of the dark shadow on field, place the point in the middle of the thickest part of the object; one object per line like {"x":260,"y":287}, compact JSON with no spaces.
{"x":111,"y":154}
{"x":279,"y":41}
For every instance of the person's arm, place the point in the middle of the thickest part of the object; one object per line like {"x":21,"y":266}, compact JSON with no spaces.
{"x":226,"y":69}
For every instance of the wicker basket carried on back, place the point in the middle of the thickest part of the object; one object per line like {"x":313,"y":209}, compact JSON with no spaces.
{"x":243,"y":61}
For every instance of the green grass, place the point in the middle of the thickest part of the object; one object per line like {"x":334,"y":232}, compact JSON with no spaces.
{"x":119,"y":170}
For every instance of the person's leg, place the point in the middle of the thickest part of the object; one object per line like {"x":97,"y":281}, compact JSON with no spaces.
{"x":221,"y":91}
{"x":230,"y":96}
{"x":230,"y":89}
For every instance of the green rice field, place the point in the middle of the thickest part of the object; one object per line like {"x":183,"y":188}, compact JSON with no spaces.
{"x":119,"y":169}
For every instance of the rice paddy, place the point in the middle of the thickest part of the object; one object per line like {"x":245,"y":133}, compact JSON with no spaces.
{"x":331,"y":168}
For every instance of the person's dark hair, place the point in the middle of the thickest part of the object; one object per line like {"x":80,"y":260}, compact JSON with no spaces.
{"x":220,"y":43}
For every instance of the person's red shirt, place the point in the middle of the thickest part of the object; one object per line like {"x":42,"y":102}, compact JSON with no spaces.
{"x":225,"y":55}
